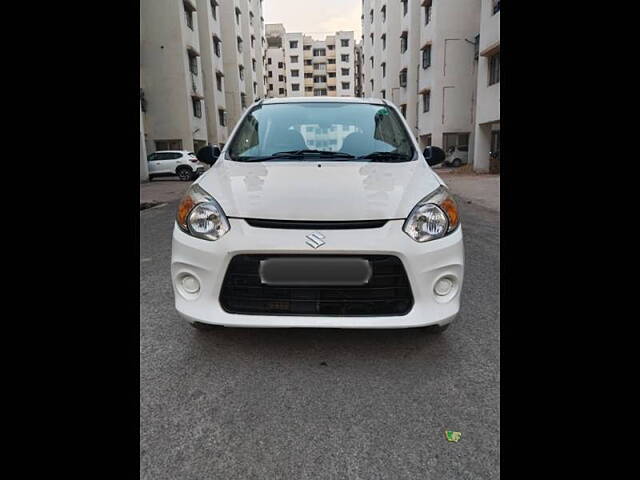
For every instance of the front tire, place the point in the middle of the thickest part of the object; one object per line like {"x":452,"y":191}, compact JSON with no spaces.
{"x":436,"y":329}
{"x":456,"y":163}
{"x":203,"y":326}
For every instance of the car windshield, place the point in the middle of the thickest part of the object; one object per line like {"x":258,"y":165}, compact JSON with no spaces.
{"x":337,"y":131}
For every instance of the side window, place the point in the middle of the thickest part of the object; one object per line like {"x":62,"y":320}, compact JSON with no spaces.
{"x":463,"y":149}
{"x":174,"y":156}
{"x":153,"y":156}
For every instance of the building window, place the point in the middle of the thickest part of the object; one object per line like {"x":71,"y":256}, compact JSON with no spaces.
{"x":384,"y":13}
{"x":319,"y":52}
{"x":383,"y":94}
{"x":427,"y":11}
{"x":295,"y":73}
{"x":271,"y":86}
{"x":214,"y":5}
{"x":193,"y":62}
{"x":293,"y":44}
{"x":331,"y":88}
{"x":403,"y":42}
{"x":216,"y":45}
{"x":403,"y":77}
{"x":280,"y":64}
{"x":253,"y":41}
{"x":426,"y":101}
{"x":403,"y":110}
{"x":294,"y":58}
{"x":331,"y":46}
{"x":197,"y":107}
{"x":496,"y":6}
{"x":306,"y":47}
{"x":344,"y":57}
{"x":371,"y":36}
{"x":281,"y":91}
{"x":494,"y":68}
{"x":188,"y":13}
{"x":241,"y":71}
{"x":476,"y":47}
{"x":239,"y":45}
{"x":250,"y":18}
{"x":320,"y":79}
{"x":346,"y":85}
{"x":308,"y":89}
{"x":345,"y":71}
{"x":253,"y":64}
{"x":243,"y":100}
{"x":269,"y":61}
{"x":384,"y":41}
{"x":308,"y":62}
{"x":255,"y":88}
{"x":371,"y":61}
{"x":371,"y":84}
{"x":281,"y":78}
{"x":332,"y":74}
{"x":295,"y":87}
{"x":452,"y":140}
{"x":168,"y":145}
{"x":238,"y":12}
{"x":309,"y":75}
{"x":320,"y":92}
{"x":426,"y":56}
{"x":371,"y":16}
{"x":219,"y":81}
{"x":404,"y":7}
{"x":270,"y":74}
{"x":222,"y":117}
{"x":344,"y":42}
{"x":384,"y":69}
{"x":331,"y":61}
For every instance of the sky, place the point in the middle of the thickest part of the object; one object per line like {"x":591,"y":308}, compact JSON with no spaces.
{"x":315,"y":17}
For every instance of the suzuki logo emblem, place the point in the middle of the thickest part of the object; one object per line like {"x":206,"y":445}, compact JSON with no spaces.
{"x":315,"y":239}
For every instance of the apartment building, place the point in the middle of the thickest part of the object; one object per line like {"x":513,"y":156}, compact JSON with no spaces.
{"x":487,"y":133}
{"x":276,"y":81}
{"x":243,"y":42}
{"x":210,"y":34}
{"x":421,"y":56}
{"x":358,"y":92}
{"x":171,"y":75}
{"x":310,"y":67}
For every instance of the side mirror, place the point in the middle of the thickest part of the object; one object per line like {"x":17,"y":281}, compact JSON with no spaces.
{"x":208,"y":154}
{"x":434,"y":155}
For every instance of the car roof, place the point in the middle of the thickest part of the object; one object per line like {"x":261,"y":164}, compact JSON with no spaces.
{"x":268,"y":101}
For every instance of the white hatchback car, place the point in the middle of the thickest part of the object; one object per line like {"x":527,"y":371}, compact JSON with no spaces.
{"x":319,"y":212}
{"x":180,"y":163}
{"x":457,"y":156}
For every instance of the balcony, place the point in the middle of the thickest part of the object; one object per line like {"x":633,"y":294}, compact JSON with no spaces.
{"x":331,"y":67}
{"x":308,"y":69}
{"x":332,"y":81}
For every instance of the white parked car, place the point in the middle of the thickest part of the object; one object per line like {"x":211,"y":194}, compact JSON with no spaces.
{"x":319,"y":212}
{"x":457,"y":156}
{"x":181,"y":163}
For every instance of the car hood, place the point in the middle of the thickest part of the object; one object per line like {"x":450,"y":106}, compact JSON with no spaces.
{"x":316,"y":190}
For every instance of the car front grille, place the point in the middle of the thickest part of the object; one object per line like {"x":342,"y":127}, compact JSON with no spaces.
{"x":387,"y":293}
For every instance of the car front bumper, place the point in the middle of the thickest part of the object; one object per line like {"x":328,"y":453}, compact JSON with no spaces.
{"x":425,"y":263}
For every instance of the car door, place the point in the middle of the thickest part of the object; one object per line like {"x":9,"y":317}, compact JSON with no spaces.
{"x":177,"y":159}
{"x":463,"y":153}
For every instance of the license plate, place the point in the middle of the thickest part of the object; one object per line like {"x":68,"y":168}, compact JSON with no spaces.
{"x":315,"y":271}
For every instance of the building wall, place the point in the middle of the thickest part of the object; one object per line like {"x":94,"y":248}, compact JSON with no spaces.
{"x":488,"y":103}
{"x":209,"y":27}
{"x":144,"y":167}
{"x":167,"y":81}
{"x":451,"y":77}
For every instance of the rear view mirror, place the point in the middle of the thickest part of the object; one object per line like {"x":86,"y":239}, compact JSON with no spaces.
{"x":434,"y":155}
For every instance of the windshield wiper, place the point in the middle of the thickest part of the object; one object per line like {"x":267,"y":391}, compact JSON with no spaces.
{"x":301,"y":153}
{"x":385,"y":156}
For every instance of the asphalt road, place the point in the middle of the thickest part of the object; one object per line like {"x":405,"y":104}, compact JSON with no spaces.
{"x":320,"y":404}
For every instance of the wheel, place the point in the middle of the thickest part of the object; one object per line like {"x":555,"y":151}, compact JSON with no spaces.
{"x":456,"y":163}
{"x":184,"y":173}
{"x":202,"y":326}
{"x":437,"y":329}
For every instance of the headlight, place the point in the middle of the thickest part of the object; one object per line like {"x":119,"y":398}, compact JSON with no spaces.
{"x":433,"y":217}
{"x":200,"y":215}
